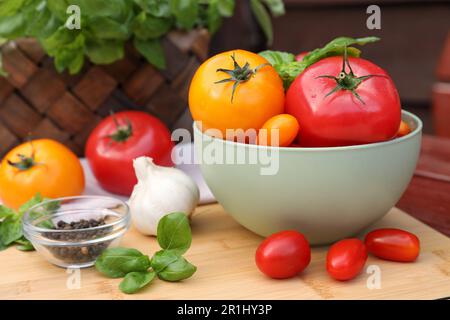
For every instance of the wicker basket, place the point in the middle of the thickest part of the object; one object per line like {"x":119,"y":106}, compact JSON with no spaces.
{"x":37,"y":102}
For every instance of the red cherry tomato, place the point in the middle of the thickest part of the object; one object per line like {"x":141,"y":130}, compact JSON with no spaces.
{"x":283,"y":254}
{"x":335,"y":107}
{"x":346,"y":259}
{"x":393,"y":244}
{"x":120,"y":138}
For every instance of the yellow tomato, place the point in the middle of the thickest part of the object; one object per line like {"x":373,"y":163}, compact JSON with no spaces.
{"x":235,"y":90}
{"x":43,"y":166}
{"x":285,"y":128}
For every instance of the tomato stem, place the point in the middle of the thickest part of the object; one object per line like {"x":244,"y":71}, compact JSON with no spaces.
{"x":239,"y":74}
{"x":24,"y":162}
{"x":123,"y":132}
{"x":348,"y":81}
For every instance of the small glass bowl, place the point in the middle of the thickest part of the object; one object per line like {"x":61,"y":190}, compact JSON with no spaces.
{"x":72,"y":232}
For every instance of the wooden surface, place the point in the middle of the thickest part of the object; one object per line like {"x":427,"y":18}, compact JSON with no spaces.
{"x":224,"y":254}
{"x":428,"y":195}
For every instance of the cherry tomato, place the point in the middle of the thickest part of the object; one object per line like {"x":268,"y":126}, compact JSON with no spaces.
{"x":235,"y":90}
{"x":338,"y":106}
{"x":346,"y":259}
{"x":403,"y":130}
{"x":119,"y":139}
{"x":283,"y":254}
{"x":286,"y":127}
{"x":393,"y":244}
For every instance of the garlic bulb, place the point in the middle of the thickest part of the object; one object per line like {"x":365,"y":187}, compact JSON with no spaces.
{"x":159,"y":191}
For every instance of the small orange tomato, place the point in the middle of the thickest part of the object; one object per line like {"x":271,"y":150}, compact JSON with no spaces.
{"x":280,"y":130}
{"x":403,"y":130}
{"x":43,"y":166}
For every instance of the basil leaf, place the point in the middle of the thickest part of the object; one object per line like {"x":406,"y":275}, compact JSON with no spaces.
{"x":42,"y":23}
{"x":12,"y":27}
{"x":225,"y":7}
{"x":276,"y":7}
{"x":3,"y":72}
{"x":10,"y":230}
{"x":71,"y":55}
{"x":106,"y":28}
{"x":162,"y":259}
{"x":3,"y":247}
{"x":62,"y":39}
{"x":185,"y":12}
{"x":116,"y":9}
{"x":30,"y":203}
{"x":336,"y":47}
{"x":263,"y":18}
{"x":157,"y":8}
{"x":152,"y":50}
{"x":6,"y":212}
{"x":147,"y":27}
{"x":58,"y":8}
{"x":104,"y":51}
{"x":277,"y":57}
{"x":10,"y":7}
{"x":117,"y":262}
{"x":214,"y":18}
{"x":45,"y":209}
{"x":178,"y":270}
{"x":174,"y":232}
{"x":135,"y":281}
{"x":24,"y":244}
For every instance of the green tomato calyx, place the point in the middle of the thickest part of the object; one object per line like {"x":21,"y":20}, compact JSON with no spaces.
{"x":123,"y":132}
{"x":239,"y":74}
{"x":24,"y":162}
{"x":348,"y":80}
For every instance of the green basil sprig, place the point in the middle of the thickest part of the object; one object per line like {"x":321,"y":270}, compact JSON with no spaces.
{"x":288,"y":68}
{"x":107,"y":25}
{"x":174,"y":237}
{"x":11,"y":223}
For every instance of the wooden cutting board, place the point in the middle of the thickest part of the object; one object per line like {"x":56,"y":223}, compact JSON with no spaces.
{"x":224,"y":251}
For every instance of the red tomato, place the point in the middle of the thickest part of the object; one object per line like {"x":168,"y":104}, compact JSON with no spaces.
{"x":120,"y":138}
{"x":393,"y":244}
{"x":283,"y":254}
{"x":346,"y":259}
{"x":301,"y":55}
{"x":337,"y":107}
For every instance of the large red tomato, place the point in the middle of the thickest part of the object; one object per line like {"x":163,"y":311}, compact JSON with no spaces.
{"x":119,"y":139}
{"x":339,"y":105}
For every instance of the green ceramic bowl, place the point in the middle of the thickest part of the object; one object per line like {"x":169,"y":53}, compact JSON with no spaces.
{"x":325,"y":193}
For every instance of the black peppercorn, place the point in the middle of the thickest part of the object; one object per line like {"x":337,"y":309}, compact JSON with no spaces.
{"x":79,"y":254}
